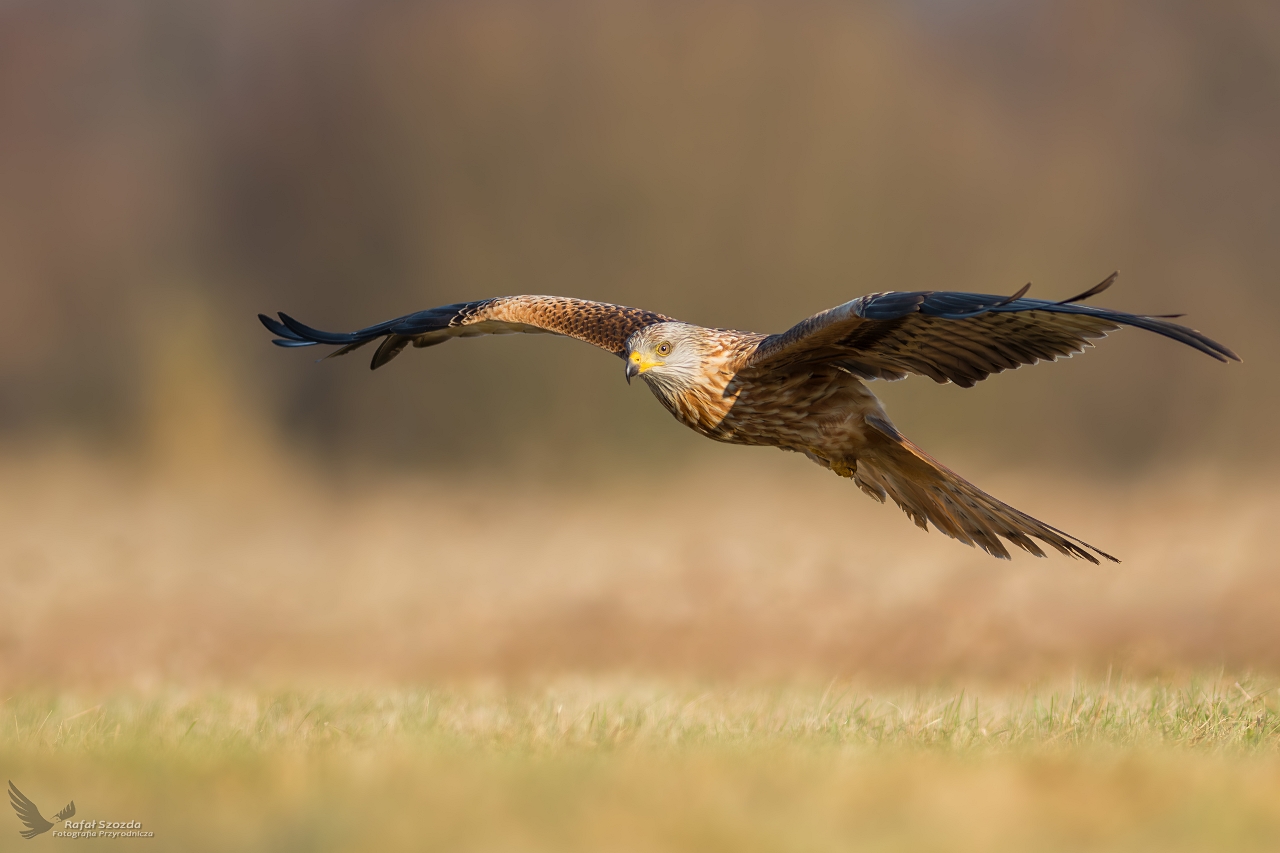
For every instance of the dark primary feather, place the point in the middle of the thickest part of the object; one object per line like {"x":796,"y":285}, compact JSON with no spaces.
{"x":399,"y":332}
{"x":957,"y":337}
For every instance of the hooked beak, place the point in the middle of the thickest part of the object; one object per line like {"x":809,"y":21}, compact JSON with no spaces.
{"x":637,"y":364}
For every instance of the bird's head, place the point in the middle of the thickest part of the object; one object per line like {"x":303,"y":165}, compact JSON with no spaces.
{"x":666,"y":355}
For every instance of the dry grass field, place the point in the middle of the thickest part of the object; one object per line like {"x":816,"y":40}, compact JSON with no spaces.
{"x":595,"y":764}
{"x":259,"y":657}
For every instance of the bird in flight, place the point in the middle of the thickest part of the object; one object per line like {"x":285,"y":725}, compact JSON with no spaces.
{"x":30,"y":815}
{"x":805,"y":389}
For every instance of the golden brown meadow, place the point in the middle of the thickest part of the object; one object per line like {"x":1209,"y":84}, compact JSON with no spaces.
{"x":116,"y":577}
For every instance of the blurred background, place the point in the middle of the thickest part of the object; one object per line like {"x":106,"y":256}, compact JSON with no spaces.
{"x":169,"y":169}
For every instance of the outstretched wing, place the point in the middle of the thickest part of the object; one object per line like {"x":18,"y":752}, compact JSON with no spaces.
{"x":598,"y":323}
{"x":957,"y":337}
{"x":27,"y":813}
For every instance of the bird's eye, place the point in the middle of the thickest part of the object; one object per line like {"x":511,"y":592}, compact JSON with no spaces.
{"x":664,"y":348}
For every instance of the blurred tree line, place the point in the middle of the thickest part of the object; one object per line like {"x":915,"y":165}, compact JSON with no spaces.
{"x":168,"y":169}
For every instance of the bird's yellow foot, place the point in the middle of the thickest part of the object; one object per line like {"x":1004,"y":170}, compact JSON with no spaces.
{"x":843,"y":470}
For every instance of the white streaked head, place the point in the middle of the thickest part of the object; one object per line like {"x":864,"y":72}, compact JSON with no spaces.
{"x":667,"y":355}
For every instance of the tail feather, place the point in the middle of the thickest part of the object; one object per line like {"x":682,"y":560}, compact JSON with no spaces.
{"x":930,"y":493}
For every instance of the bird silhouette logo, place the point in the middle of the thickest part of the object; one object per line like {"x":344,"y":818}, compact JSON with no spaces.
{"x":30,"y":815}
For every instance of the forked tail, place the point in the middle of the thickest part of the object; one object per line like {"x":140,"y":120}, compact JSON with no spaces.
{"x":929,"y":492}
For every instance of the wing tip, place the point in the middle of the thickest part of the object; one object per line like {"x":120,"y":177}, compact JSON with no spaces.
{"x":278,"y":329}
{"x":1093,"y":291}
{"x":1229,"y":354}
{"x":291,"y":333}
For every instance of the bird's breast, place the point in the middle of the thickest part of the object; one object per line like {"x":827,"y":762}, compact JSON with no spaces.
{"x":792,"y":409}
